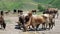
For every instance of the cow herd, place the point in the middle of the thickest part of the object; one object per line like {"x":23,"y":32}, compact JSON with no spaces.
{"x":30,"y":20}
{"x":46,"y":19}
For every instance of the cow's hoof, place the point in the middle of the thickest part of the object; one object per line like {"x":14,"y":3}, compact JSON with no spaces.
{"x":44,"y":28}
{"x":24,"y":30}
{"x":36,"y":29}
{"x":49,"y":29}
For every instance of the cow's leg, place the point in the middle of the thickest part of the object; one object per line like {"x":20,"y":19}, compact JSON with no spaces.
{"x":29,"y":27}
{"x":24,"y":28}
{"x":52,"y":25}
{"x":49,"y":26}
{"x":37,"y":26}
{"x":1,"y":26}
{"x":57,"y":14}
{"x":46,"y":25}
{"x":33,"y":26}
{"x":20,"y":25}
{"x":43,"y":25}
{"x":53,"y":21}
{"x":4,"y":25}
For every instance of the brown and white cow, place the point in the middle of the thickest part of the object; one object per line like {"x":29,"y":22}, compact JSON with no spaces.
{"x":34,"y":11}
{"x":51,"y":11}
{"x":35,"y":21}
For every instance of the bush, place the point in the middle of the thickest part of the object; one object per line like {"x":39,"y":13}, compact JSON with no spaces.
{"x":41,"y":7}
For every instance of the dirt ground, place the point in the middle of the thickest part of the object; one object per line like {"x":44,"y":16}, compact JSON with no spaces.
{"x":11,"y":24}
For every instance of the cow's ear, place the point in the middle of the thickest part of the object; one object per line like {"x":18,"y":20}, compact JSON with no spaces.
{"x":30,"y":13}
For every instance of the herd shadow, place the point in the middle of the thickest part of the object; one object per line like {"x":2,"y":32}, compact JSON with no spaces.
{"x":39,"y":29}
{"x":17,"y":27}
{"x":0,"y":28}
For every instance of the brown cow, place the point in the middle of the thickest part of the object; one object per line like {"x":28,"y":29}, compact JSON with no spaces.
{"x":51,"y":20}
{"x":35,"y":21}
{"x":51,"y":11}
{"x":2,"y":22}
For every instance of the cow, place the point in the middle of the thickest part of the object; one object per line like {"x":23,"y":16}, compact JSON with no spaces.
{"x":2,"y":13}
{"x":51,"y":21}
{"x":20,"y":11}
{"x":7,"y":12}
{"x":2,"y":22}
{"x":35,"y":21}
{"x":14,"y":11}
{"x":21,"y":20}
{"x":51,"y":11}
{"x":34,"y":11}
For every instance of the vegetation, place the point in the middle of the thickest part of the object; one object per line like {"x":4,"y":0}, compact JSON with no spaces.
{"x":28,"y":4}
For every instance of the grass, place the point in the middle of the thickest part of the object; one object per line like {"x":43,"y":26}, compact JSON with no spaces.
{"x":39,"y":13}
{"x":17,"y":4}
{"x":26,"y":4}
{"x":56,"y":3}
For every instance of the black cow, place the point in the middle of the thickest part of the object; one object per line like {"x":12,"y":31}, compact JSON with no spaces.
{"x":2,"y":13}
{"x":14,"y":11}
{"x":20,"y":11}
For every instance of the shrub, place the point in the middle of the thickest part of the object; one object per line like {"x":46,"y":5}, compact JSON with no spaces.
{"x":41,"y":7}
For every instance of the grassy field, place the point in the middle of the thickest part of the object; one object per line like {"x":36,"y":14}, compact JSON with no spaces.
{"x":17,"y":4}
{"x":39,"y":13}
{"x":26,"y":4}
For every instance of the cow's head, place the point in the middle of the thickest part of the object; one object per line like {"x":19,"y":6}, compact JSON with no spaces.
{"x":27,"y":17}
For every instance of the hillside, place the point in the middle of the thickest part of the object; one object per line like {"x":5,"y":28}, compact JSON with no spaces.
{"x":56,"y":3}
{"x":26,"y":4}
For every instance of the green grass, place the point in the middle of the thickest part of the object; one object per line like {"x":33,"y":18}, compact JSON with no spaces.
{"x":53,"y":3}
{"x":39,"y":13}
{"x":27,"y":4}
{"x":56,"y":3}
{"x":17,"y":4}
